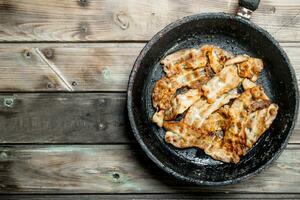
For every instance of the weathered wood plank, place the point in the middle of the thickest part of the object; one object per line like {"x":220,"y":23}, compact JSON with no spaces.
{"x":95,"y":20}
{"x":66,"y":118}
{"x":85,"y":67}
{"x":152,"y":196}
{"x":120,"y":169}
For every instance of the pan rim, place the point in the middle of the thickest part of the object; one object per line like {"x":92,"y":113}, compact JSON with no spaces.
{"x":136,"y":66}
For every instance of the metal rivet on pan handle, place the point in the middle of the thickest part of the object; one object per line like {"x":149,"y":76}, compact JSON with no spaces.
{"x":246,"y":8}
{"x":244,"y":12}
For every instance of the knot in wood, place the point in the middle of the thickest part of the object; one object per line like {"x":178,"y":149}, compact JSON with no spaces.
{"x":3,"y":155}
{"x":50,"y":85}
{"x":101,"y":101}
{"x":83,"y":28}
{"x":106,"y":74}
{"x":273,"y":9}
{"x":116,"y":176}
{"x":49,"y":53}
{"x":74,"y":83}
{"x":8,"y":102}
{"x":121,"y":19}
{"x":27,"y":54}
{"x":101,"y":126}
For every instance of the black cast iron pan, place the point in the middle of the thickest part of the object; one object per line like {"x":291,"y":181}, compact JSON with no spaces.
{"x":238,"y":35}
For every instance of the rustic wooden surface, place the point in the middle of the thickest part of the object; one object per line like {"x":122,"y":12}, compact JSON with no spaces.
{"x":79,"y":145}
{"x":120,"y":169}
{"x":127,"y":20}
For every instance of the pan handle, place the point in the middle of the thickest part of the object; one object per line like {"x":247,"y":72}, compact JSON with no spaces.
{"x":246,"y":7}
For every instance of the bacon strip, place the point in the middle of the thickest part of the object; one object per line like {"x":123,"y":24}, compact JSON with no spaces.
{"x":182,"y":102}
{"x":221,"y":83}
{"x":181,"y":135}
{"x":217,"y":57}
{"x":238,"y":113}
{"x":247,"y":67}
{"x":176,"y":62}
{"x":165,"y":88}
{"x":200,"y":111}
{"x":258,"y":122}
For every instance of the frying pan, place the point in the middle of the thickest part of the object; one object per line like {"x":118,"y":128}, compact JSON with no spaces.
{"x":234,"y":33}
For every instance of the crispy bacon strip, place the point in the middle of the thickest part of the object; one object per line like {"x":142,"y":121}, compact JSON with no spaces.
{"x":182,"y":102}
{"x":238,"y":113}
{"x":158,"y":118}
{"x":200,"y":111}
{"x":248,"y":67}
{"x":176,"y":62}
{"x":165,"y":88}
{"x":247,"y":84}
{"x":181,"y":135}
{"x":216,"y":56}
{"x":221,"y":83}
{"x":236,"y":59}
{"x":243,"y":103}
{"x":214,"y":123}
{"x":178,"y":56}
{"x":258,"y":122}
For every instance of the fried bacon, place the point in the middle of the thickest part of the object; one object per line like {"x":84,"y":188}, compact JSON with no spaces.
{"x":216,"y":122}
{"x":165,"y":88}
{"x":221,"y":83}
{"x":181,"y":135}
{"x":217,"y":57}
{"x":238,"y":113}
{"x":184,"y":59}
{"x":200,"y":111}
{"x":217,"y":119}
{"x":158,"y":118}
{"x":165,"y":91}
{"x":247,"y":67}
{"x":258,"y":122}
{"x":182,"y":102}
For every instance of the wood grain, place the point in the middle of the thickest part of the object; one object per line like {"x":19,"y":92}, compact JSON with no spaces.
{"x":95,"y":20}
{"x":120,"y":169}
{"x":86,"y":67}
{"x":152,"y":196}
{"x":64,"y":118}
{"x":37,"y":128}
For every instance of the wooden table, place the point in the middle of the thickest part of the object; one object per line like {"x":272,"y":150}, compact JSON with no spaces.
{"x":64,"y":67}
